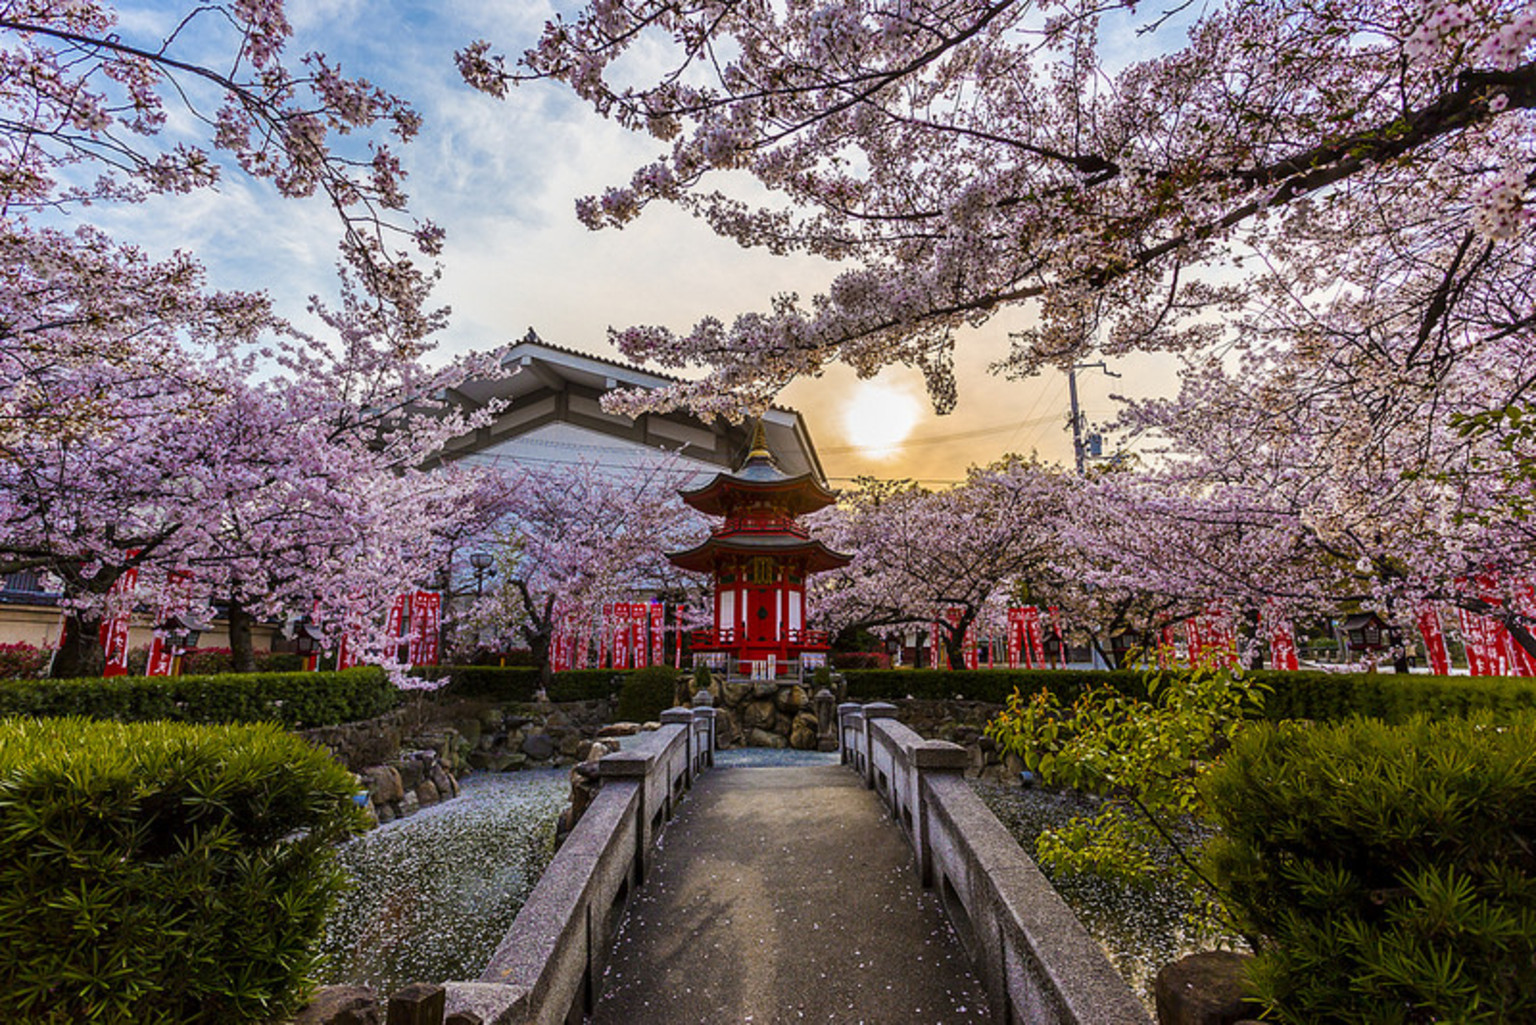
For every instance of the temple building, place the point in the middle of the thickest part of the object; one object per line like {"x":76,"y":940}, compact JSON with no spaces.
{"x":760,"y":559}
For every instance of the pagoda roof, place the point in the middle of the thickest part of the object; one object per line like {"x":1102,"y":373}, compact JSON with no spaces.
{"x":818,"y":556}
{"x":759,"y":480}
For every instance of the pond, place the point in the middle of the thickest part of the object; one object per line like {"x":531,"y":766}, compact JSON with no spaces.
{"x":434,"y":893}
{"x":1140,"y":929}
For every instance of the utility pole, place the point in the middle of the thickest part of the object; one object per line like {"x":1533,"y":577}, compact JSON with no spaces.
{"x":1075,"y":418}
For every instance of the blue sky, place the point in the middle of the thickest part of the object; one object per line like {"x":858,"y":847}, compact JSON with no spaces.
{"x":502,"y":177}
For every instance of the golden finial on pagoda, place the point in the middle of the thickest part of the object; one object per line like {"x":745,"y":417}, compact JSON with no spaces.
{"x":759,"y":442}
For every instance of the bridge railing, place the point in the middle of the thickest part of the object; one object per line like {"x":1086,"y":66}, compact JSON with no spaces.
{"x":549,"y":965}
{"x":1037,"y":961}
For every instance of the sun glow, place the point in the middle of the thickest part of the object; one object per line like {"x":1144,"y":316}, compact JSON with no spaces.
{"x":879,"y":417}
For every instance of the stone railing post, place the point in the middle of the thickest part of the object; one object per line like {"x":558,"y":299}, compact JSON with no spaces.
{"x":844,"y":711}
{"x":633,"y":766}
{"x":682,"y":717}
{"x":930,"y":758}
{"x":827,"y":720}
{"x":705,"y":713}
{"x":877,"y":710}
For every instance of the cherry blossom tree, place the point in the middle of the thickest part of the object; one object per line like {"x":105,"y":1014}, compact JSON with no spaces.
{"x":917,"y":553}
{"x":1129,"y":175}
{"x":572,"y":538}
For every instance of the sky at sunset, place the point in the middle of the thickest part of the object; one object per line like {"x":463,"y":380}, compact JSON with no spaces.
{"x":502,"y":176}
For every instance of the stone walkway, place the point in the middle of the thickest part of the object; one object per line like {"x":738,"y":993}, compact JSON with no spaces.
{"x":786,"y":895}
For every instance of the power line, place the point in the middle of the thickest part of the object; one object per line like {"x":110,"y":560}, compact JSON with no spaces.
{"x":938,"y":439}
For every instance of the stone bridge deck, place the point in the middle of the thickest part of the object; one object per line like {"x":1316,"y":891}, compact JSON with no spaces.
{"x":786,"y":895}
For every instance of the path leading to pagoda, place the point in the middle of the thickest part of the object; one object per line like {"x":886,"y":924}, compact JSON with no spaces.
{"x":786,"y":895}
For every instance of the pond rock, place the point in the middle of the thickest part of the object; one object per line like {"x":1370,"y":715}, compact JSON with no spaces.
{"x":803,"y":732}
{"x":539,"y":747}
{"x":1204,"y":989}
{"x":342,"y":1005}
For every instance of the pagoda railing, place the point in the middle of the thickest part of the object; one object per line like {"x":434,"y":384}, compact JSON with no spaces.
{"x":761,"y":523}
{"x":729,"y":637}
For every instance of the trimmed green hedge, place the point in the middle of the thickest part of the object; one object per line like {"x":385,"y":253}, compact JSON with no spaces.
{"x":1333,"y":697}
{"x":163,"y":872}
{"x":519,"y":684}
{"x":294,"y":699}
{"x":1325,"y":697}
{"x":993,"y":685}
{"x":646,"y":693}
{"x":1388,"y":869}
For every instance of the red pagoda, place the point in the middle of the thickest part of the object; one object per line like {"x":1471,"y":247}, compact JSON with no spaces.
{"x":760,"y":559}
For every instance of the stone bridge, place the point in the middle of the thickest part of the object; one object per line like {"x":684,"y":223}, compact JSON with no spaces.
{"x":880,"y":890}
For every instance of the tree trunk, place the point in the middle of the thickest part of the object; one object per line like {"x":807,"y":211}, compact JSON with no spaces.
{"x":80,"y":652}
{"x":954,"y":645}
{"x":539,"y":646}
{"x":242,"y":654}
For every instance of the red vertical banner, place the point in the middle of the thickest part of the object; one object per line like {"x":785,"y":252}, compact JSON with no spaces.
{"x":1481,"y":644}
{"x":935,"y":646}
{"x":394,"y":625}
{"x":422,"y":645}
{"x":604,"y":635}
{"x":679,"y":613}
{"x":1434,"y":639}
{"x":658,"y":634}
{"x":114,"y":626}
{"x":1194,"y":638}
{"x":162,"y":660}
{"x":1525,"y":605}
{"x":1015,"y":636}
{"x":621,"y":635}
{"x":1282,"y":641}
{"x":1167,"y":648}
{"x":1035,"y":641}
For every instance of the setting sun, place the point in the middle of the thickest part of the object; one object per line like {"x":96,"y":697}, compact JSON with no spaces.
{"x":879,"y":417}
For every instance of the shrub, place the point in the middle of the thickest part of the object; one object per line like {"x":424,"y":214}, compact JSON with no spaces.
{"x":207,"y":662}
{"x":519,"y":684}
{"x":294,"y":699}
{"x":1389,"y":868}
{"x":163,"y":872}
{"x":22,"y":661}
{"x":646,"y":693}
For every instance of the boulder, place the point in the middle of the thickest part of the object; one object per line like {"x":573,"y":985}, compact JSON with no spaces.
{"x":384,"y":813}
{"x":759,"y":715}
{"x":762,"y":738}
{"x":573,"y":746}
{"x":727,"y":728}
{"x":426,"y":793}
{"x":1204,"y":989}
{"x":734,"y":694}
{"x":445,"y":784}
{"x":411,"y":771}
{"x":383,"y":784}
{"x":765,"y":689}
{"x":803,"y":732}
{"x":619,"y":729}
{"x":409,"y":803}
{"x":539,"y":747}
{"x":342,"y":1005}
{"x":792,"y":699}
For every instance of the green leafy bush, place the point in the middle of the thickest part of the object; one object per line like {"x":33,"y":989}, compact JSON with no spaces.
{"x":162,"y":872}
{"x":646,"y":693}
{"x":1390,"y":869}
{"x":294,"y":699}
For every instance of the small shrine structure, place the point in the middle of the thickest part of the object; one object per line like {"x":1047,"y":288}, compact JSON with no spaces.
{"x":760,"y":559}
